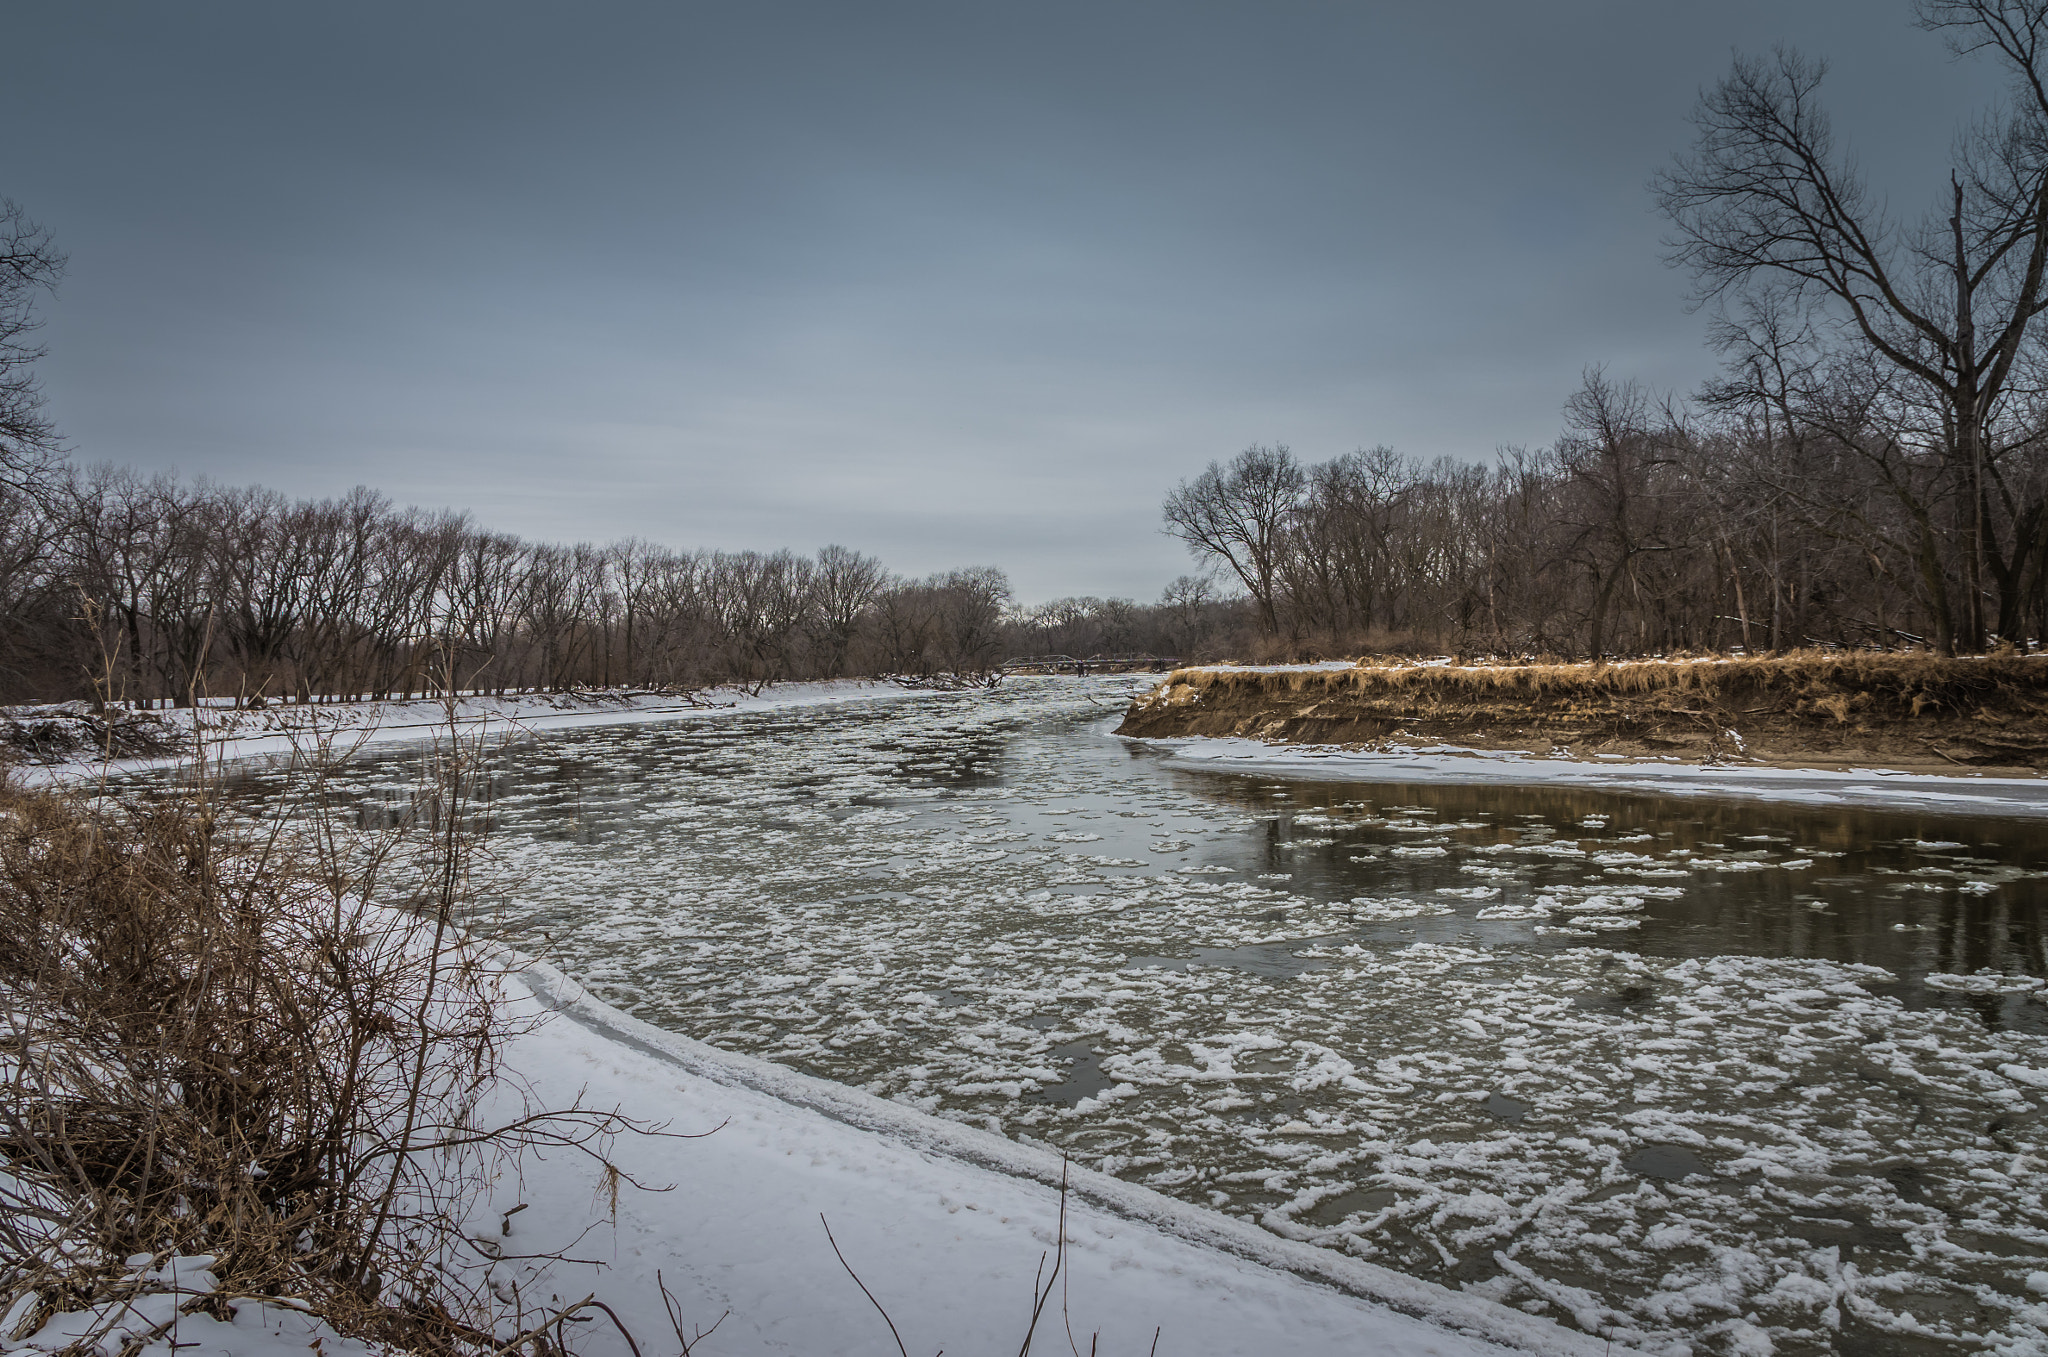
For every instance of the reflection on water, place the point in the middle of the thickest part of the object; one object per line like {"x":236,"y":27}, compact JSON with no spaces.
{"x":1910,"y":892}
{"x":1669,"y":1070}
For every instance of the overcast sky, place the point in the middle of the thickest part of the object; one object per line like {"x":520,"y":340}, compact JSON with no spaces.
{"x":951,"y":283}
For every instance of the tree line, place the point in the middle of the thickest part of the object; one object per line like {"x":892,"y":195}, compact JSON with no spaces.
{"x":153,"y":589}
{"x":1870,"y":468}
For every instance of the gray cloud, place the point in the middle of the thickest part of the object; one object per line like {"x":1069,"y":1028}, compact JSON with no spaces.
{"x":948,"y":283}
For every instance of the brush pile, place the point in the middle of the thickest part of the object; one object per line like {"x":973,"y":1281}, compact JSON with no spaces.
{"x":1815,"y":707}
{"x":58,"y":732}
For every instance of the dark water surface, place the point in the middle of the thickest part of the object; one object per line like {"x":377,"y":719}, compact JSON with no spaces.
{"x":1678,"y":1071}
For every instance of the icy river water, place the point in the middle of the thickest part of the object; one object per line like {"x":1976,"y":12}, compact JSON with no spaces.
{"x":1670,"y":1070}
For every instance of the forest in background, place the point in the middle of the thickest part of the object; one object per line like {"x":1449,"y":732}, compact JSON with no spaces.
{"x":161,"y":591}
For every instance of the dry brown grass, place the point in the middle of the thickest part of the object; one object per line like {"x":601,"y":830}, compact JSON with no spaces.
{"x":261,"y":1040}
{"x":1919,"y":677}
{"x":1902,"y":707}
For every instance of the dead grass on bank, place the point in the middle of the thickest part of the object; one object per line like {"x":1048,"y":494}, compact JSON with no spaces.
{"x":1919,"y":680}
{"x":262,"y":1040}
{"x":1900,"y":709}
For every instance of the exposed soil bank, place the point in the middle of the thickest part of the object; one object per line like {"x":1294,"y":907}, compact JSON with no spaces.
{"x":1904,"y":711}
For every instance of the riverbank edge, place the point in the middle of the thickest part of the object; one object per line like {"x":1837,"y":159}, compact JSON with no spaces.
{"x":1034,"y":1165}
{"x":231,"y":734}
{"x":1914,"y":714}
{"x":1877,"y":789}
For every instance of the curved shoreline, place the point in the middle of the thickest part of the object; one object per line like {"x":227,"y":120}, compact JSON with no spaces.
{"x":1414,"y":1315}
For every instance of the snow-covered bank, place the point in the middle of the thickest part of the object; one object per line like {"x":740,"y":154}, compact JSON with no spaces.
{"x":946,"y":1224}
{"x":283,"y":729}
{"x":2005,"y":796}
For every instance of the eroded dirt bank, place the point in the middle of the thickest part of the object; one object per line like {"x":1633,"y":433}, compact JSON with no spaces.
{"x":1894,"y":710}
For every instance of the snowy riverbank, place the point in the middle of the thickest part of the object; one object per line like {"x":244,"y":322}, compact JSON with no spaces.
{"x":950,"y":1228}
{"x":280,"y":729}
{"x":1874,"y":787}
{"x":945,"y":1223}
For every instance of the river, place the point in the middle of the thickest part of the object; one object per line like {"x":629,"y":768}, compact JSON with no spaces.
{"x":1677,"y":1071}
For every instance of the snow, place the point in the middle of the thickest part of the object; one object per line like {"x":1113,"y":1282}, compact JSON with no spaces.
{"x":945,"y":1223}
{"x":148,"y":1316}
{"x":950,"y":1228}
{"x":2002,"y":796}
{"x":281,"y":729}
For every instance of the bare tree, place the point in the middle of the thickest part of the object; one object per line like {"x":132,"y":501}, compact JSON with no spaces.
{"x":1239,"y":515}
{"x":1765,"y":206}
{"x":30,"y":263}
{"x":843,"y":586}
{"x":1611,"y":456}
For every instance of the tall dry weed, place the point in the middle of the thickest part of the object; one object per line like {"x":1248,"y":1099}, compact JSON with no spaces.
{"x":1918,"y":680}
{"x":260,"y":1037}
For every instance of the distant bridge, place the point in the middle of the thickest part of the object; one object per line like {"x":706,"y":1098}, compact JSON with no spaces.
{"x":1094,"y":664}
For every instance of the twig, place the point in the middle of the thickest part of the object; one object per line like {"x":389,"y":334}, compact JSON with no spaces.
{"x":595,"y":1303}
{"x":1937,"y":749}
{"x":675,"y":1317}
{"x":1039,"y":1298}
{"x":864,"y":1288}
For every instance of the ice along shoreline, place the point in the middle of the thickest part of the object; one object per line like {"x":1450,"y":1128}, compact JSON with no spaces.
{"x":794,"y":1146}
{"x":1873,"y":788}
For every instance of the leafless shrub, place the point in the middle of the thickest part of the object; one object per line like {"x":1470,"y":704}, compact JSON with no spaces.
{"x":261,"y":1040}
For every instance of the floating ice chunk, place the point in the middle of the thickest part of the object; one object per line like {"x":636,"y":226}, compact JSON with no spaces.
{"x":1398,"y":907}
{"x":2032,"y":1078}
{"x":1469,"y":892}
{"x":1559,"y":930}
{"x":1604,"y":922}
{"x":1985,"y":981}
{"x":1608,"y":904}
{"x":1419,"y":851}
{"x":1515,"y":911}
{"x":1482,"y":869}
{"x":1554,"y":850}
